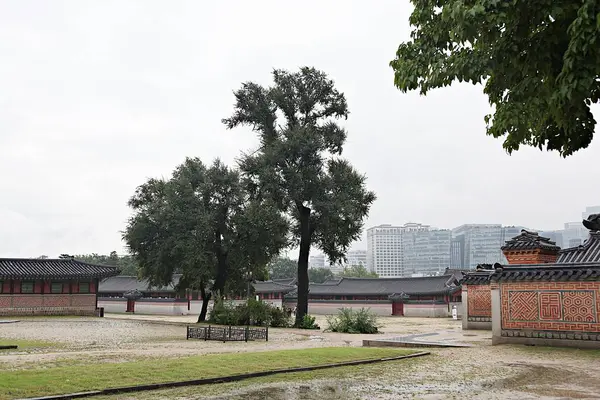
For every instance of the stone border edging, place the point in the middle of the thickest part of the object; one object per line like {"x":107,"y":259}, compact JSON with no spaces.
{"x":9,"y":347}
{"x":222,"y":379}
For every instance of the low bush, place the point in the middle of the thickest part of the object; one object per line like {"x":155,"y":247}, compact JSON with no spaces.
{"x":253,"y":312}
{"x":349,"y":321}
{"x":309,"y":322}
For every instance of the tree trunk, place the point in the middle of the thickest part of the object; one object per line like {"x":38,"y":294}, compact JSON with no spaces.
{"x":205,"y":299}
{"x":305,"y":239}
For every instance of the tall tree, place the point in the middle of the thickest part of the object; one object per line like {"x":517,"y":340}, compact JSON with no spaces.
{"x":540,"y":62}
{"x":358,"y":271}
{"x":126,"y":263}
{"x":319,"y":275}
{"x":202,"y":223}
{"x":282,"y":267}
{"x":299,"y":163}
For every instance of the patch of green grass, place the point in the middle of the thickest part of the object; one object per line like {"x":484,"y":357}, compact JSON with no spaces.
{"x":351,"y":374}
{"x":26,"y":344}
{"x":67,"y":379}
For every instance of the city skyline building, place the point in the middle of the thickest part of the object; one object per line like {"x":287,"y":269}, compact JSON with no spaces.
{"x":412,"y":249}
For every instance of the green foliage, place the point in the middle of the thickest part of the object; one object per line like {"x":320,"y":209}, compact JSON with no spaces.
{"x":358,"y":271}
{"x":252,"y":312}
{"x":282,"y":268}
{"x":540,"y":62}
{"x":350,"y":321}
{"x":202,"y":223}
{"x":299,"y":164}
{"x":319,"y":275}
{"x":309,"y":322}
{"x":126,"y":263}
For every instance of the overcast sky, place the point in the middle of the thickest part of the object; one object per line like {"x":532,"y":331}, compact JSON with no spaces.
{"x":97,"y":96}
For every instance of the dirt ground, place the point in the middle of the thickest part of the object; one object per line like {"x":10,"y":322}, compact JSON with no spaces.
{"x":480,"y":372}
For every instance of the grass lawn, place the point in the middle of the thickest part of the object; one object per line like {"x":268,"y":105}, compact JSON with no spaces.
{"x":25,"y":344}
{"x":68,"y":379}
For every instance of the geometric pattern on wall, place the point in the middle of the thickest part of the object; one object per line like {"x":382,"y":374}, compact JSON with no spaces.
{"x":479,"y":301}
{"x":550,"y":306}
{"x":523,"y":306}
{"x":579,"y":306}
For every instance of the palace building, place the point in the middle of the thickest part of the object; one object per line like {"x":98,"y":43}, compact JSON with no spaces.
{"x":50,"y":286}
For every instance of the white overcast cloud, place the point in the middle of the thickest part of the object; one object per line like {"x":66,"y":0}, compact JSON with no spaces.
{"x":97,"y":96}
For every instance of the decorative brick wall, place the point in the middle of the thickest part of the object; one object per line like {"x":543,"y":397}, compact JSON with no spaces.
{"x":530,"y":256}
{"x":479,"y":303}
{"x":551,"y":310}
{"x":48,"y":304}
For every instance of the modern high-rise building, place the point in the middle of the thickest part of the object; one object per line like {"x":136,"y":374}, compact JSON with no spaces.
{"x":408,"y":250}
{"x":384,"y":250}
{"x":482,"y":243}
{"x":356,"y":257}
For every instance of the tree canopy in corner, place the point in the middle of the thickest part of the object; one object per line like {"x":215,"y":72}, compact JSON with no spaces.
{"x":539,"y":61}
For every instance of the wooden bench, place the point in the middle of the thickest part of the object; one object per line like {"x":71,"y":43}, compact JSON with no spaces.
{"x":228,"y":333}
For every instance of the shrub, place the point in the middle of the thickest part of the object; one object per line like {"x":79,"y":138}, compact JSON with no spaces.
{"x":309,"y":322}
{"x":253,"y":312}
{"x":349,"y":321}
{"x":280,"y":318}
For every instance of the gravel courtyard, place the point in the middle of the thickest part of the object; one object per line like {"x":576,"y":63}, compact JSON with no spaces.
{"x":482,"y":372}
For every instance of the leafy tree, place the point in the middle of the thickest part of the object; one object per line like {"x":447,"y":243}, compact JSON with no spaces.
{"x":358,"y":271}
{"x":126,"y":263}
{"x":319,"y":275}
{"x":540,"y":62}
{"x":299,"y":164}
{"x":282,"y":268}
{"x":202,"y":223}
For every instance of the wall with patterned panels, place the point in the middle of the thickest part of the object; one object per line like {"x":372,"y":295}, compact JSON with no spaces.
{"x":551,"y":306}
{"x":479,"y":301}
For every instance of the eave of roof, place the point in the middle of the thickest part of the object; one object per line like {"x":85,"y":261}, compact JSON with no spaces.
{"x":548,"y":272}
{"x":62,"y":268}
{"x":588,"y":252}
{"x":271,"y":287}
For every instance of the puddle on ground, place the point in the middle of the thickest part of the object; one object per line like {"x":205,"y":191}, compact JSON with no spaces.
{"x":340,"y":391}
{"x":299,"y":392}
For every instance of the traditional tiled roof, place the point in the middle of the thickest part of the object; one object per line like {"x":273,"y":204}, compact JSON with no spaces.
{"x":589,"y":252}
{"x":530,"y":241}
{"x":286,"y":281}
{"x":271,"y":287}
{"x":480,"y":276}
{"x":458,"y":273}
{"x":431,"y":285}
{"x":46,"y":268}
{"x":123,"y":284}
{"x":548,"y":272}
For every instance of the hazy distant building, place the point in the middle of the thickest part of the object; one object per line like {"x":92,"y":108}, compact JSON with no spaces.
{"x":409,"y":250}
{"x":356,"y":257}
{"x":457,"y":250}
{"x":589,"y":211}
{"x":318,"y":261}
{"x":574,"y":234}
{"x":482,"y":244}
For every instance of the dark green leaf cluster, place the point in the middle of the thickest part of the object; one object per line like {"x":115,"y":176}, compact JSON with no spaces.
{"x":540,"y":61}
{"x":282,"y":268}
{"x":350,"y":321}
{"x":126,"y":263}
{"x":202,"y":223}
{"x":358,"y":271}
{"x":299,"y":164}
{"x":252,"y":312}
{"x":319,"y":275}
